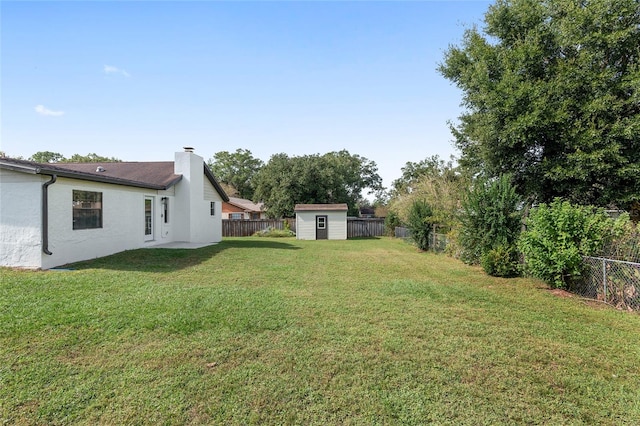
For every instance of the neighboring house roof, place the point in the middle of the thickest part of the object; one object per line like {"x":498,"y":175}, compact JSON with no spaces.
{"x":367,"y":211}
{"x":152,"y":175}
{"x":320,"y":207}
{"x":246,"y":205}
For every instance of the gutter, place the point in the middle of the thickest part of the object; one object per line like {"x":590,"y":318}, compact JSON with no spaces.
{"x":45,"y":214}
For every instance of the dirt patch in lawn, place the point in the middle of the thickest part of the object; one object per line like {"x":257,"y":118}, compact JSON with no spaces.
{"x":561,"y":293}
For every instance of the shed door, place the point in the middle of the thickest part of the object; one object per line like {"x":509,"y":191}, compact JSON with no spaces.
{"x":322,"y":228}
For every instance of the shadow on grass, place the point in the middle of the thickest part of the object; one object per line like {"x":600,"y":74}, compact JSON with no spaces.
{"x":168,"y":260}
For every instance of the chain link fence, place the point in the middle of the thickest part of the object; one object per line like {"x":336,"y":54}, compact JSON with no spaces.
{"x":437,"y":240}
{"x":613,"y":278}
{"x":615,"y":282}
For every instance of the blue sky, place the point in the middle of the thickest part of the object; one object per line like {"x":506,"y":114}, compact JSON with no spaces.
{"x":140,"y":80}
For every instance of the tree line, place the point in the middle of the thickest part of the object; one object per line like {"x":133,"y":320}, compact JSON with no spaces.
{"x":56,"y":157}
{"x":548,"y":139}
{"x":284,"y":181}
{"x":281,"y":183}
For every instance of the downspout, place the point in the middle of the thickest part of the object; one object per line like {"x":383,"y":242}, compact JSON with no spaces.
{"x":45,"y":214}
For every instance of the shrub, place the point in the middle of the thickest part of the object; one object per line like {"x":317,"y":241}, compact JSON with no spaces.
{"x":490,"y":220}
{"x":390,"y":222}
{"x":453,"y":247}
{"x":501,"y":261}
{"x":274,"y":233}
{"x":626,"y":242}
{"x":558,"y":235}
{"x":419,"y":223}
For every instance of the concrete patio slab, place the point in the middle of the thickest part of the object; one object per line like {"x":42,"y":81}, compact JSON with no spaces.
{"x":181,"y":245}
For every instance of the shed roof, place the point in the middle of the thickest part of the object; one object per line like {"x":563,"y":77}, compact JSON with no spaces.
{"x":321,"y":207}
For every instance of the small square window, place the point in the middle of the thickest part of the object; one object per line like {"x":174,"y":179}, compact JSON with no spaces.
{"x":322,"y":222}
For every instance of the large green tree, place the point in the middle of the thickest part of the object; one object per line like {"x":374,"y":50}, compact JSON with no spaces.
{"x":56,"y":157}
{"x":335,"y":177}
{"x":46,"y":157}
{"x":552,"y":96}
{"x":90,"y":158}
{"x":236,"y":169}
{"x":412,"y":172}
{"x":438,"y":183}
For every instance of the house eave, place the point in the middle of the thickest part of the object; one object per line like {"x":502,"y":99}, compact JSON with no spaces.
{"x":215,"y":183}
{"x":19,"y":168}
{"x":104,"y":179}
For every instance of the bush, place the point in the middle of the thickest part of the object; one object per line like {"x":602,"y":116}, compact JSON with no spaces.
{"x":626,"y":243}
{"x":490,"y":225}
{"x":558,"y":235}
{"x":275,"y":233}
{"x":501,"y":261}
{"x":453,"y":247}
{"x":390,"y":222}
{"x":419,"y":223}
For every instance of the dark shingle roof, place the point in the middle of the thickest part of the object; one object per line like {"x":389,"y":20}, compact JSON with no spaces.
{"x":152,"y":175}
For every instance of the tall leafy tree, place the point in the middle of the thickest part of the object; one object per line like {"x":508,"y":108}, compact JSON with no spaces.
{"x":90,"y":158}
{"x":236,"y":169}
{"x":412,"y":172}
{"x":438,"y":183}
{"x":46,"y":157}
{"x":335,"y":177}
{"x":552,"y":96}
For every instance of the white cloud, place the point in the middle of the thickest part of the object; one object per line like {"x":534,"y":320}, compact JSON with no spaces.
{"x":108,"y":69}
{"x":40,"y":109}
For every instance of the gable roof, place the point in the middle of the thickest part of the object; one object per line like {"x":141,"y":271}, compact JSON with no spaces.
{"x":321,"y":207}
{"x":152,"y":175}
{"x":245,"y":204}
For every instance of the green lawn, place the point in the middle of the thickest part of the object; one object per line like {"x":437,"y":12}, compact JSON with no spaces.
{"x":279,"y":331}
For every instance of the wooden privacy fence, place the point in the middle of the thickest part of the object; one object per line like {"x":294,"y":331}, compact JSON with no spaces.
{"x":246,"y":228}
{"x":355,"y":227}
{"x":365,"y":227}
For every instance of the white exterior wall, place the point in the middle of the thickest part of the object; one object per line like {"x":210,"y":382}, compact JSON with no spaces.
{"x":306,"y":224}
{"x":122,"y":222}
{"x":21,"y":219}
{"x":213,"y":223}
{"x":196,"y":224}
{"x":123,"y":216}
{"x":337,"y":225}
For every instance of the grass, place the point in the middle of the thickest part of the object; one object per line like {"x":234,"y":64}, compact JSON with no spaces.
{"x":259,"y":331}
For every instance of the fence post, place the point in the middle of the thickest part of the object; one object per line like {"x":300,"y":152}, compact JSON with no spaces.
{"x":604,"y":278}
{"x":434,"y":229}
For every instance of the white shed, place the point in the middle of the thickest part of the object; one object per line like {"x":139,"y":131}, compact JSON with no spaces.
{"x":321,"y":221}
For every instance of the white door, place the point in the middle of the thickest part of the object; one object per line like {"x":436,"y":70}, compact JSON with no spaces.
{"x":148,"y":218}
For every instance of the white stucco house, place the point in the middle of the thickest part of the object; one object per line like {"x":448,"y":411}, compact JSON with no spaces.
{"x":321,"y":221}
{"x":54,"y":214}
